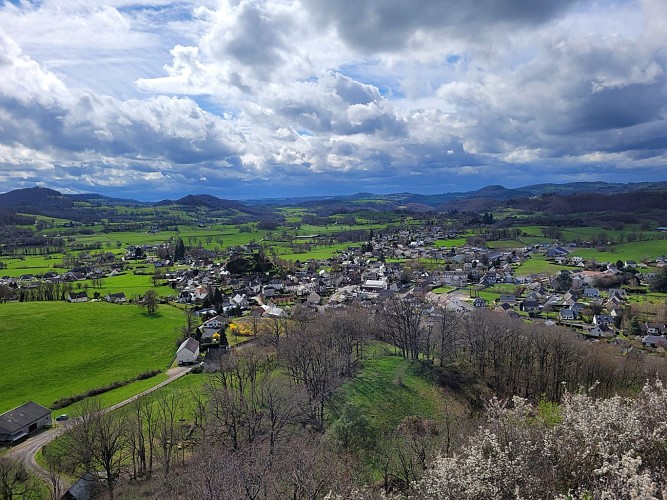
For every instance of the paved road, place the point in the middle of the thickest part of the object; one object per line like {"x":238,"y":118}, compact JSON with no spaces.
{"x":27,"y":450}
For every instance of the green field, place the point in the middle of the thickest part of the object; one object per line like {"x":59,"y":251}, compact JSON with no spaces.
{"x":132,"y":285}
{"x":38,"y":264}
{"x":539,"y":264}
{"x":57,"y":349}
{"x":636,"y":251}
{"x":322,"y":252}
{"x":455,"y":242}
{"x":389,"y":388}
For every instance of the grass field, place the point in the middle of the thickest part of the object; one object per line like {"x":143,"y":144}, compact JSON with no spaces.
{"x":455,"y":242}
{"x":130,"y":284}
{"x":38,"y":264}
{"x":539,"y":264}
{"x":57,"y":349}
{"x":389,"y":388}
{"x":636,"y":251}
{"x":320,"y":253}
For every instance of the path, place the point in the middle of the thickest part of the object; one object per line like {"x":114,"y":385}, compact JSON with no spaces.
{"x":27,"y":450}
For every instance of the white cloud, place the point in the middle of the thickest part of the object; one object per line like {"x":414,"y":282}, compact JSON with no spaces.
{"x":327,"y":94}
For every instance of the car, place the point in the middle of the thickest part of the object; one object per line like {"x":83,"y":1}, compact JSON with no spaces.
{"x":62,"y":418}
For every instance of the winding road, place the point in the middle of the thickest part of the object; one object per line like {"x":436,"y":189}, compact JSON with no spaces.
{"x":27,"y":450}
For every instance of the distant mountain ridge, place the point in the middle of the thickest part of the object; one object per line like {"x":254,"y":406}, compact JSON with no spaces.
{"x":49,"y":202}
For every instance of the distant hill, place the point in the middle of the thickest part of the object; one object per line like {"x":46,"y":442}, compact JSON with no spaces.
{"x":34,"y":198}
{"x":229,"y":207}
{"x":93,"y":207}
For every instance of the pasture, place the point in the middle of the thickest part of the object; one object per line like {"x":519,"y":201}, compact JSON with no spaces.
{"x":389,"y":388}
{"x":637,"y":251}
{"x":58,"y":349}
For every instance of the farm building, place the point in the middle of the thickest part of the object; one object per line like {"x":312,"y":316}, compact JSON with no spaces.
{"x":23,"y":420}
{"x":188,"y":352}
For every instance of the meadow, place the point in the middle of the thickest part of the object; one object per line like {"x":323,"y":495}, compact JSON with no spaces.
{"x":58,"y":349}
{"x":637,"y":251}
{"x":389,"y":388}
{"x":539,"y":264}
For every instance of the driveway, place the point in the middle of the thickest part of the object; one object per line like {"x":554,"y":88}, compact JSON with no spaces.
{"x":27,"y":450}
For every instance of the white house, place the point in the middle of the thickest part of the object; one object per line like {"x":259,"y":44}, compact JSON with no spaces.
{"x":216,"y":322}
{"x":188,"y":352}
{"x":78,"y":297}
{"x":116,"y":298}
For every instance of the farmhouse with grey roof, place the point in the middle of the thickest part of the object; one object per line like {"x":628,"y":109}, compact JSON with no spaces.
{"x":23,"y":420}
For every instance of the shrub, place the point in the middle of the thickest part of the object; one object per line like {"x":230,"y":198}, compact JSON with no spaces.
{"x":593,"y":448}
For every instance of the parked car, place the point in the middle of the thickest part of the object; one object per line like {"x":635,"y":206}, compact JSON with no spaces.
{"x":62,"y":418}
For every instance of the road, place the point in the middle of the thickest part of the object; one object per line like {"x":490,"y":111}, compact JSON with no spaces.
{"x":27,"y":450}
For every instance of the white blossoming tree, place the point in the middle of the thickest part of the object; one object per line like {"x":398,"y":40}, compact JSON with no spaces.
{"x":586,"y":448}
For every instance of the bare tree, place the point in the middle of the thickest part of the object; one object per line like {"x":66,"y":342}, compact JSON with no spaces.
{"x":168,"y":412}
{"x":402,"y":324}
{"x":98,"y":441}
{"x":15,"y":481}
{"x":311,"y":359}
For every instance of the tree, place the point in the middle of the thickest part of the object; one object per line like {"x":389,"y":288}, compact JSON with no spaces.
{"x":98,"y":441}
{"x":659,"y":281}
{"x":150,"y":301}
{"x":179,"y":250}
{"x":588,"y":447}
{"x":402,"y":325}
{"x":351,"y":431}
{"x":15,"y":481}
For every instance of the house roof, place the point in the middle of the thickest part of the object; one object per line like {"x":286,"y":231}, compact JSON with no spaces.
{"x":189,"y":344}
{"x":22,"y":416}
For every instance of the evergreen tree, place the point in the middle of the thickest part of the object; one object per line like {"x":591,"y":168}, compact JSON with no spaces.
{"x":179,"y":251}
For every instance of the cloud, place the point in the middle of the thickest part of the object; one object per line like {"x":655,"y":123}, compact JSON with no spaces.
{"x":389,"y":25}
{"x":264,"y":95}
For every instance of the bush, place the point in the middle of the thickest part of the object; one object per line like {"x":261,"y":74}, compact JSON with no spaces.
{"x":589,"y":448}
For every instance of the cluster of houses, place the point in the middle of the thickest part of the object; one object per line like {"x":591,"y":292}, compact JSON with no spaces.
{"x":369,"y":274}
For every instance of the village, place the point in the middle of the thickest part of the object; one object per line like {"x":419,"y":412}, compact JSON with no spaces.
{"x":584,"y":295}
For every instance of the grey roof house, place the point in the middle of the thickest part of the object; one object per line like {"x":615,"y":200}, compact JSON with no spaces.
{"x":23,"y":420}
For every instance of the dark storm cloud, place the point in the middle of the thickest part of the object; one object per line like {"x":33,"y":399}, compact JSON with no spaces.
{"x":385,"y":25}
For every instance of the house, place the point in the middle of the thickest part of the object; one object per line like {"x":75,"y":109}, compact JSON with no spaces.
{"x":479,"y":302}
{"x":602,"y":319}
{"x":371,"y":285}
{"x":116,"y":298}
{"x":654,"y":341}
{"x":188,"y":352}
{"x":591,"y":293}
{"x":600,"y":331}
{"x":509,"y":298}
{"x":22,"y":421}
{"x":655,"y":328}
{"x":215,"y":323}
{"x":530,"y":305}
{"x":78,"y":297}
{"x":240,"y":301}
{"x":567,"y":315}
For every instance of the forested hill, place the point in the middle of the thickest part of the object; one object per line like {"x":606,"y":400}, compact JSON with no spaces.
{"x":214,"y":203}
{"x":550,"y":198}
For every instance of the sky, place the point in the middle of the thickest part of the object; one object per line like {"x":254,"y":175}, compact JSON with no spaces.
{"x":279,"y":98}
